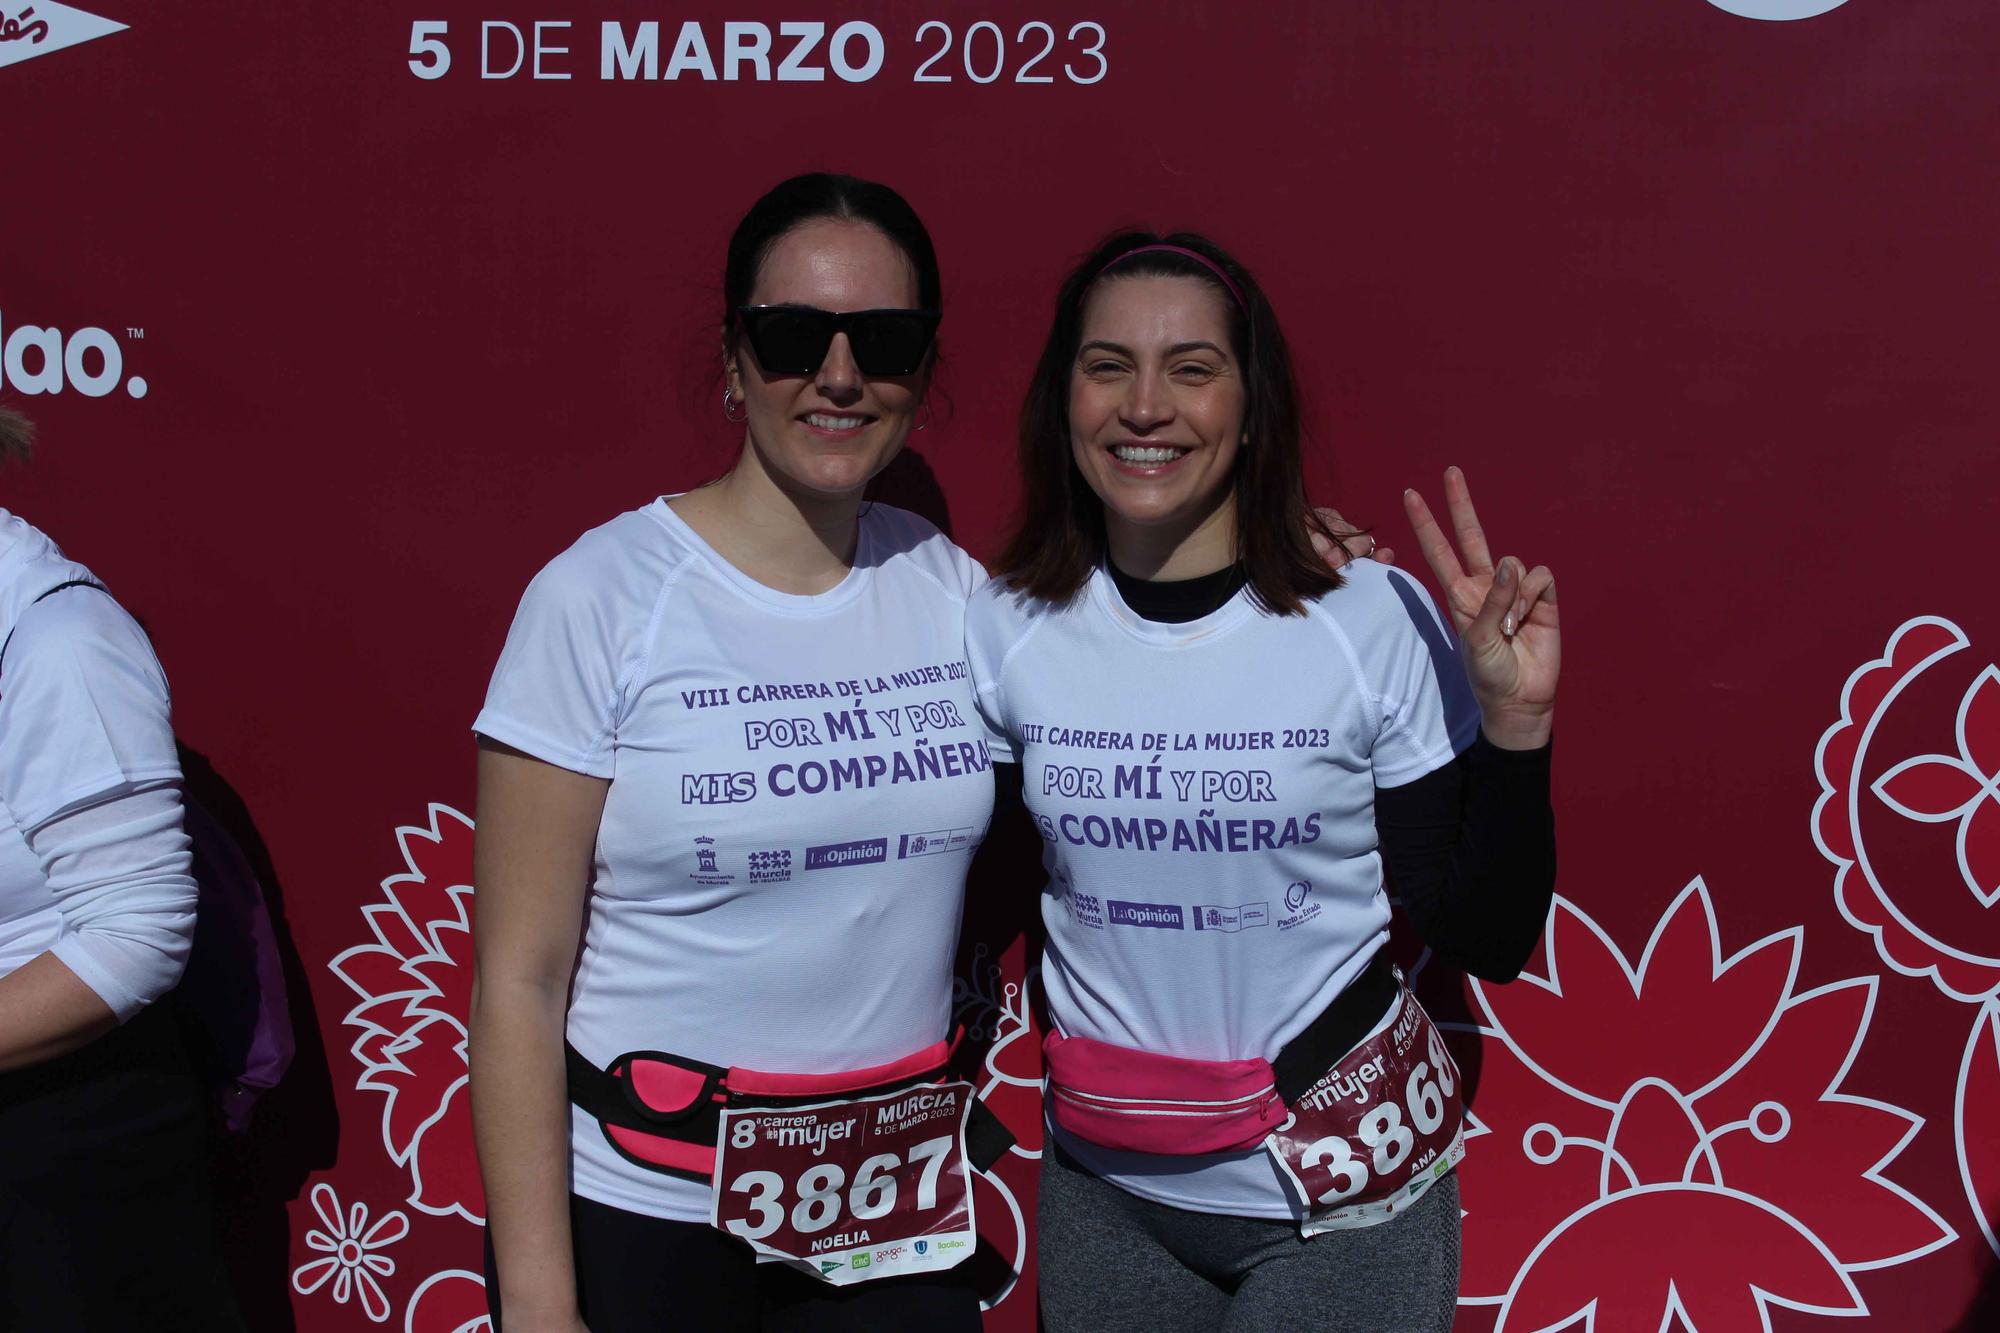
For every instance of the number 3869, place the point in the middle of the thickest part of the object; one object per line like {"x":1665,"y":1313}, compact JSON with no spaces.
{"x":1386,"y":1137}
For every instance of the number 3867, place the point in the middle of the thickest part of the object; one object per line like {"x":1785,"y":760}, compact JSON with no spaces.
{"x":823,"y":1193}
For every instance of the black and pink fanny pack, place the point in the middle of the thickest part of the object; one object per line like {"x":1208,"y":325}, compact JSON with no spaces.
{"x":1137,"y":1101}
{"x":663,"y":1112}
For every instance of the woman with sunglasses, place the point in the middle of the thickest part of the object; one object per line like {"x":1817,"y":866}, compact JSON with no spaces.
{"x":1227,"y":747}
{"x":715,"y":720}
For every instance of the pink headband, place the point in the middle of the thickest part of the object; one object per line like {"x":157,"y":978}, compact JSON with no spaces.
{"x":1185,"y":253}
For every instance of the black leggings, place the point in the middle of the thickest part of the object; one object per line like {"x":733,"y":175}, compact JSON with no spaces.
{"x":638,"y":1274}
{"x":104,"y":1212}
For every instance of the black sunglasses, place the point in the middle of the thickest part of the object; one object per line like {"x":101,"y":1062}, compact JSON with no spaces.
{"x":793,"y":339}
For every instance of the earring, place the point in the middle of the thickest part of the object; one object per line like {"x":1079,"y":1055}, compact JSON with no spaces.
{"x":728,"y":402}
{"x":924,"y":424}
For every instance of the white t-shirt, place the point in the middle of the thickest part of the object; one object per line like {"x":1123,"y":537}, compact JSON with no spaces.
{"x":797,"y":783}
{"x":1205,"y":796}
{"x":94,"y":864}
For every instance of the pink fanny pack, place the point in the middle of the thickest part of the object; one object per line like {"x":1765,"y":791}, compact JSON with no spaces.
{"x":661,"y":1111}
{"x":1141,"y":1102}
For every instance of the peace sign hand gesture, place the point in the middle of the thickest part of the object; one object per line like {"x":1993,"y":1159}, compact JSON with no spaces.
{"x":1506,"y":618}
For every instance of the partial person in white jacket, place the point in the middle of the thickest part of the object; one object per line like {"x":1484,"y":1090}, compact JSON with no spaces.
{"x":103,"y":1202}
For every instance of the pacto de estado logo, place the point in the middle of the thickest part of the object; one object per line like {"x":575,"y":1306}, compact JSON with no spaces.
{"x":37,"y":359}
{"x":44,"y":27}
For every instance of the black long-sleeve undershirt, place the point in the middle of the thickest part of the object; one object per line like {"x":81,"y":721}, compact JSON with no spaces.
{"x":1469,"y":849}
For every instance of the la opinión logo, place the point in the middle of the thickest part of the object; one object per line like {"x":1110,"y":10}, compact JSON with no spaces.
{"x":1160,"y":916}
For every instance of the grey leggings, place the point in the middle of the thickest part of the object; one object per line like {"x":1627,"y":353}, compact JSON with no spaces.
{"x":1112,"y":1262}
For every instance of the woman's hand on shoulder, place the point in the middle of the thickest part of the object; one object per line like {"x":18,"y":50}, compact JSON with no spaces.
{"x":1338,"y":542}
{"x":1506,"y":617}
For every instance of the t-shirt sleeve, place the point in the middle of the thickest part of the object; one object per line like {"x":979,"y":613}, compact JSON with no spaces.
{"x":555,"y":693}
{"x":986,"y":643}
{"x":1428,"y":714}
{"x":972,"y":573}
{"x":90,"y":774}
{"x":121,"y":876}
{"x":83,"y":704}
{"x":940,"y":557}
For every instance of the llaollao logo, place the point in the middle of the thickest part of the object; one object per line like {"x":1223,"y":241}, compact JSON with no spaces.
{"x":37,"y":359}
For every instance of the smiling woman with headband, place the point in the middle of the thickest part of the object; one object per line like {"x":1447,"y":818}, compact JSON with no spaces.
{"x":1253,"y":1120}
{"x":687,"y":903}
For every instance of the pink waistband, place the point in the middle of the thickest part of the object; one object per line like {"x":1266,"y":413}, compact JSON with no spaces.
{"x":1141,"y":1102}
{"x":677,"y":1100}
{"x":758,"y":1083}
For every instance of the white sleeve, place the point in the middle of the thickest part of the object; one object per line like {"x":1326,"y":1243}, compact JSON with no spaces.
{"x":983,"y":626}
{"x":556,"y":691}
{"x":89,"y":773}
{"x":1428,"y":712}
{"x":83,"y":708}
{"x":120,"y":874}
{"x":973,"y":573}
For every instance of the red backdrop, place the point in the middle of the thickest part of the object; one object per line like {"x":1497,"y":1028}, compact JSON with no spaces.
{"x":1702,"y":300}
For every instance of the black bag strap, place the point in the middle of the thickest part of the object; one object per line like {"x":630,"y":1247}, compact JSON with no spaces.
{"x":987,"y":1138}
{"x":60,"y":587}
{"x":610,"y":1098}
{"x":1334,"y":1033}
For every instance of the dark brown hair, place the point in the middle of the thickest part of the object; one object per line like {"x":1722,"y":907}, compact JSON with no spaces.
{"x":17,"y":436}
{"x":820,"y":194}
{"x":1058,"y":536}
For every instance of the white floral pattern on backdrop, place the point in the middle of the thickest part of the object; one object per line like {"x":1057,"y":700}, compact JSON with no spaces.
{"x":1909,"y":815}
{"x":1674,"y":1138}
